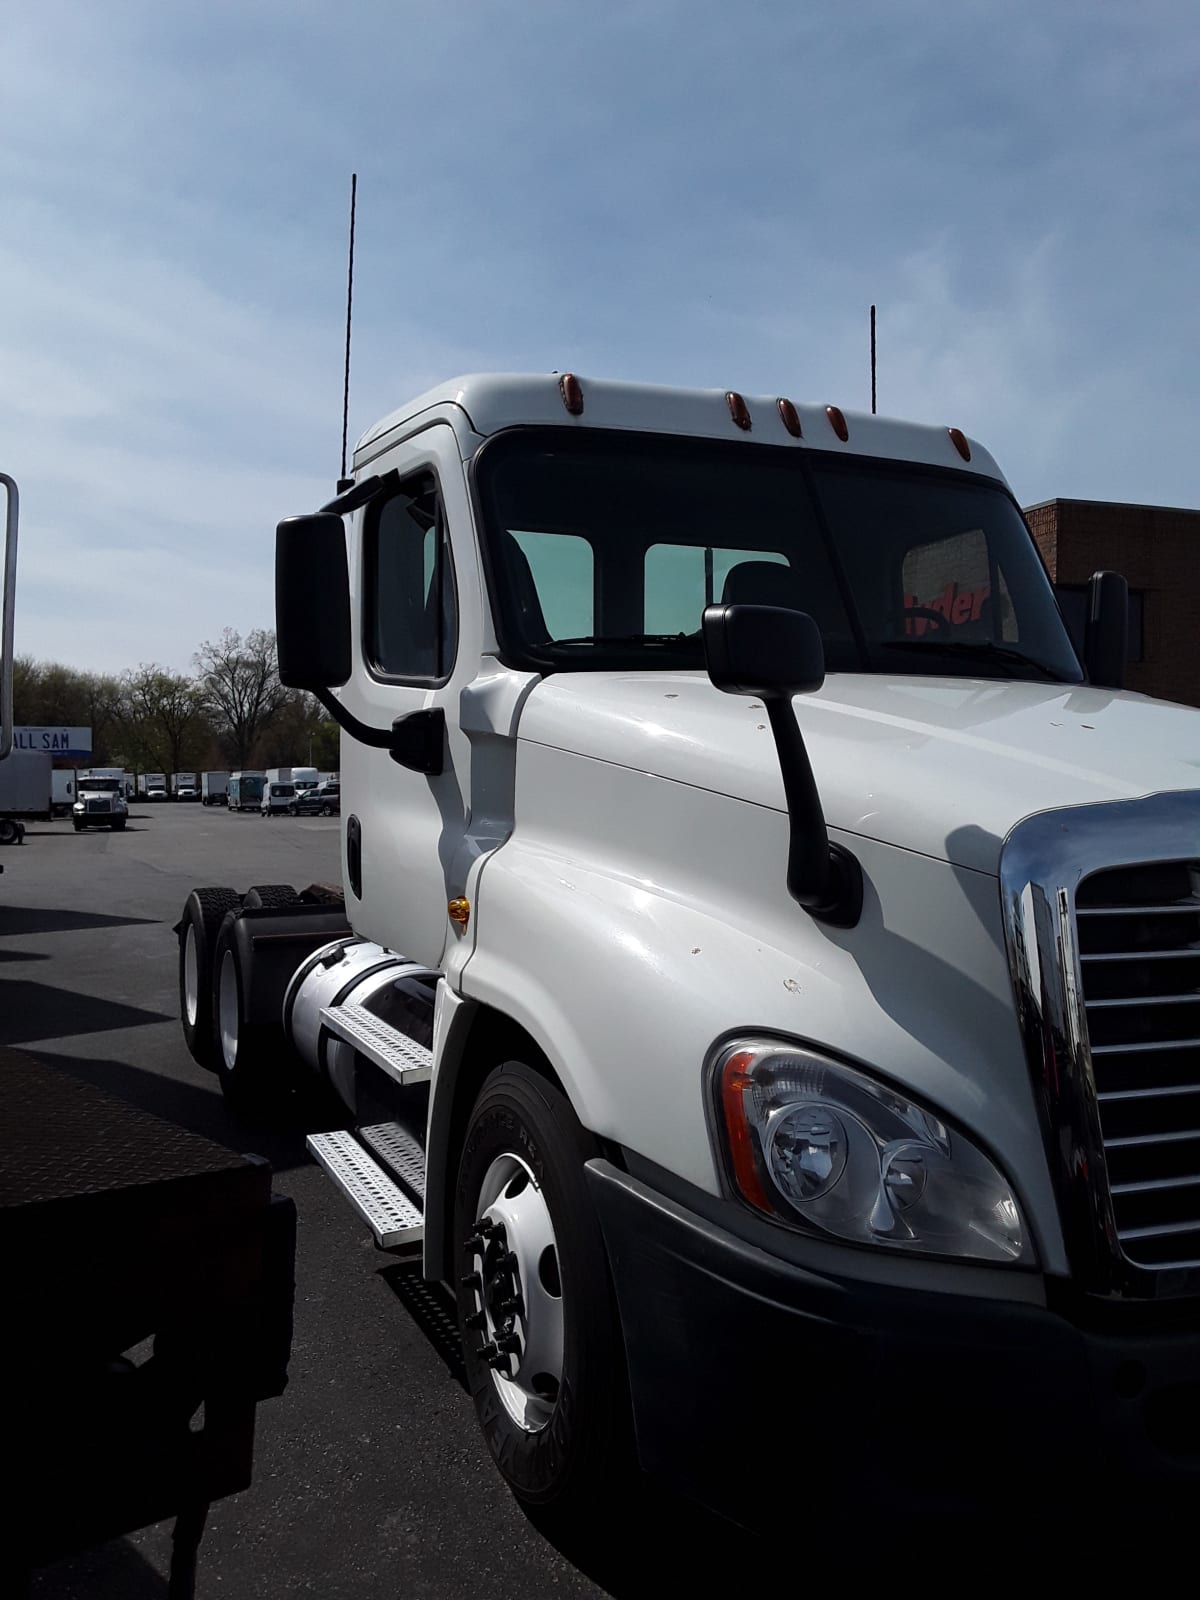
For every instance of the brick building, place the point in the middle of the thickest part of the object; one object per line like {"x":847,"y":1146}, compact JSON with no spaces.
{"x":1157,"y":549}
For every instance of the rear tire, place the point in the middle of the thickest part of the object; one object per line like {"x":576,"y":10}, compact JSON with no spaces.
{"x":555,"y":1413}
{"x":78,"y":826}
{"x":270,"y":896}
{"x":119,"y":827}
{"x":326,"y":811}
{"x":203,"y":913}
{"x":10,"y":832}
{"x":251,"y":1058}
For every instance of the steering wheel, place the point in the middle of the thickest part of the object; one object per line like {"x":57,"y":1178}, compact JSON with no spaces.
{"x":936,"y":617}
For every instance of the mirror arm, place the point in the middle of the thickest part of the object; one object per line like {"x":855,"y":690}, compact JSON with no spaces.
{"x":8,"y":605}
{"x":416,"y":741}
{"x":823,"y":877}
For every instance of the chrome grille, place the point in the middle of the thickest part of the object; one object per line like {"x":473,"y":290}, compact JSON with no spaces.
{"x":98,"y":805}
{"x":1138,"y":931}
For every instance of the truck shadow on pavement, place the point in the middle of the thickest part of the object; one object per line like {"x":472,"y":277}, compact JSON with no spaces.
{"x":30,"y":1011}
{"x":29,"y":921}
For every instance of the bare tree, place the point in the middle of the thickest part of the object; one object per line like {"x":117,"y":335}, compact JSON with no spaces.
{"x":240,"y":688}
{"x":162,"y":719}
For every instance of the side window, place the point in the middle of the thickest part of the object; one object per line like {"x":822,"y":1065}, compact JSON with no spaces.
{"x":681,"y":579}
{"x":410,"y":621}
{"x":563,"y":571}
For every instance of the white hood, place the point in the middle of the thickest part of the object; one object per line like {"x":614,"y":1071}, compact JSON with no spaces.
{"x":945,"y":766}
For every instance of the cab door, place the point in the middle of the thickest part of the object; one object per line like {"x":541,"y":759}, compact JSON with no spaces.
{"x":417,"y":641}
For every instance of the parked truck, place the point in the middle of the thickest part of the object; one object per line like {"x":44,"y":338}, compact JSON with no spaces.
{"x":214,"y":788}
{"x":62,"y":791}
{"x":143,"y":1407}
{"x":245,"y":790}
{"x":100,"y":800}
{"x":25,"y":785}
{"x":768,"y":982}
{"x":184,"y":786}
{"x":153,"y":785}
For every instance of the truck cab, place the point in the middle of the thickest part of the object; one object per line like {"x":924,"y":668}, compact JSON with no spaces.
{"x":100,"y":800}
{"x":767,"y":944}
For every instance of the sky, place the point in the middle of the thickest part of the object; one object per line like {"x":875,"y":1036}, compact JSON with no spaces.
{"x":670,"y":191}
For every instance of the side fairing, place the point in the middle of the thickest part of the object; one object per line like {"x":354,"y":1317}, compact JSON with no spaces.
{"x":629,"y":922}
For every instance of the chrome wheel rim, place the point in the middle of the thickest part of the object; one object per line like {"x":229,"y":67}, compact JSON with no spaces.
{"x":191,"y":975}
{"x":516,"y":1289}
{"x":227,"y":1011}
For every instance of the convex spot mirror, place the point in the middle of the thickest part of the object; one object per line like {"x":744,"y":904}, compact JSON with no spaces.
{"x":312,"y":602}
{"x":763,"y":650}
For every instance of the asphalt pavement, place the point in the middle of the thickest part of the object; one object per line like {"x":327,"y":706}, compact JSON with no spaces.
{"x":371,"y":1478}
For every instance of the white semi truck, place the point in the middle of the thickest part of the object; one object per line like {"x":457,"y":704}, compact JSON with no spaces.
{"x":767,"y":987}
{"x":100,"y":800}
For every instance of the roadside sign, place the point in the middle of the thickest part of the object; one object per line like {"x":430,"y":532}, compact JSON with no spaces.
{"x":67,"y":742}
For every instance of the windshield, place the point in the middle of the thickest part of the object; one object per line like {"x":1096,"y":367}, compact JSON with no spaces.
{"x":102,"y":785}
{"x":604,"y":550}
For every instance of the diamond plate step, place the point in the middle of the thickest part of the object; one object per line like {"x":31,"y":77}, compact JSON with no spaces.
{"x":400,"y":1151}
{"x":394,"y":1053}
{"x":389,"y":1213}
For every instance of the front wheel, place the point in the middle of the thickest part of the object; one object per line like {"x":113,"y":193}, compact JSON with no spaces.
{"x":119,"y":827}
{"x":541,"y":1338}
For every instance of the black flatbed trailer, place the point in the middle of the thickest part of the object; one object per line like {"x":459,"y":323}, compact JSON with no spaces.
{"x":150,"y":1280}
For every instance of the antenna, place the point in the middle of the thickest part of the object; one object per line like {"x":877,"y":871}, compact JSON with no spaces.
{"x":344,"y":481}
{"x":872,"y":362}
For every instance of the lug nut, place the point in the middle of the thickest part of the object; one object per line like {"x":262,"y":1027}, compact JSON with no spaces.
{"x":500,"y":1364}
{"x":512,"y":1308}
{"x":510,"y":1343}
{"x":488,"y":1351}
{"x":477,"y":1320}
{"x":472,"y":1280}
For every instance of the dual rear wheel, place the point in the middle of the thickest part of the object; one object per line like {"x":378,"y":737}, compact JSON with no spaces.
{"x":249,"y":1058}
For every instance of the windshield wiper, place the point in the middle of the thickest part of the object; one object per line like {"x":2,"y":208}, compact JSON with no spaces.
{"x":628,"y":638}
{"x":979,"y":649}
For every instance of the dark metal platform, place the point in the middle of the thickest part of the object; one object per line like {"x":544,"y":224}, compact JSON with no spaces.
{"x":117,"y":1228}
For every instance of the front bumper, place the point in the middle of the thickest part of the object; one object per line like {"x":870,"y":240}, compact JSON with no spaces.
{"x":754,"y":1379}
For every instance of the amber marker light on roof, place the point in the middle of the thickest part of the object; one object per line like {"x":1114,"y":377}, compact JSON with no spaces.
{"x":790,"y":417}
{"x":572,"y":394}
{"x":738,"y":409}
{"x":837,"y":422}
{"x":959,"y":440}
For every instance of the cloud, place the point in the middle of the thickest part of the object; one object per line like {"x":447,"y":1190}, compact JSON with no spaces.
{"x":668,"y":191}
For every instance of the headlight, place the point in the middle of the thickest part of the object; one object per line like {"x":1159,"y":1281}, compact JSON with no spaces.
{"x":830,"y":1150}
{"x":78,"y":806}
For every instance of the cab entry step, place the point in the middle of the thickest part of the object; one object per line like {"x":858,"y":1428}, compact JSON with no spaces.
{"x":390,"y":1214}
{"x":402,"y":1058}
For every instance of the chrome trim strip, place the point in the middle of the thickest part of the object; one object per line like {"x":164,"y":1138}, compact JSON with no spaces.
{"x":1042,"y":863}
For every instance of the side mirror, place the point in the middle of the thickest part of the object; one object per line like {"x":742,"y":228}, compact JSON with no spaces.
{"x":1106,"y":634}
{"x":763,"y":650}
{"x":8,"y":615}
{"x":777,"y":653}
{"x":312,"y":602}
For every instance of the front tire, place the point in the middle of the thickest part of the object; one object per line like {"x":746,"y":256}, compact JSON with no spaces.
{"x":541,"y":1337}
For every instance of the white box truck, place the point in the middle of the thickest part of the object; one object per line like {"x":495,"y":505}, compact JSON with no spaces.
{"x":154,"y":785}
{"x":305,"y":778}
{"x":767,"y":987}
{"x":25,"y":784}
{"x":184,"y":786}
{"x":62,"y":791}
{"x":100,"y":800}
{"x":214,"y":788}
{"x":245,"y":790}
